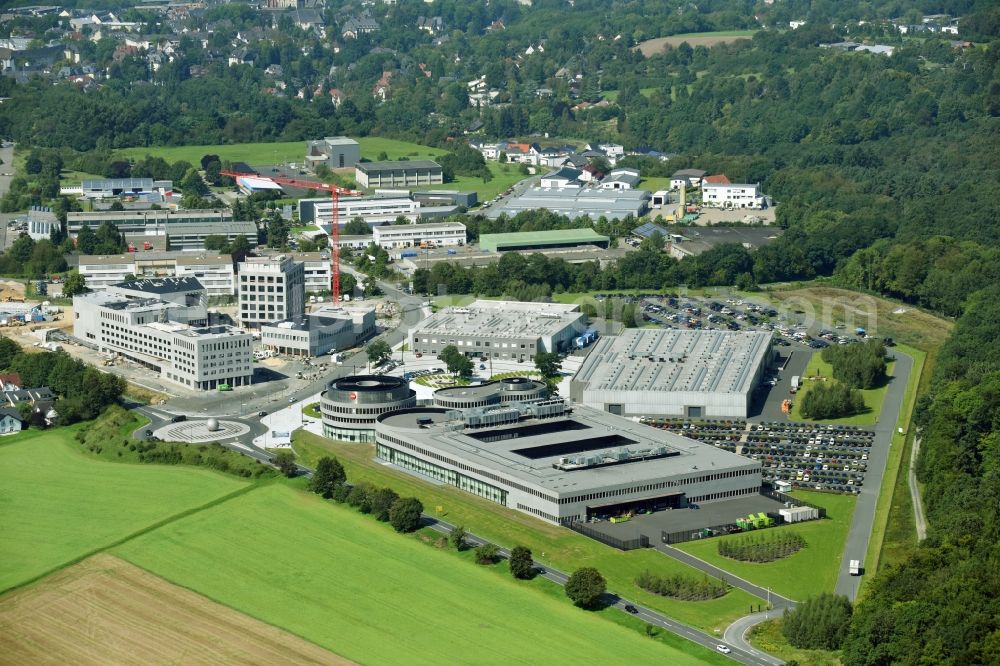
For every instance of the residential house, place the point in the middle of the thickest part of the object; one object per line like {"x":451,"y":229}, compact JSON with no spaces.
{"x":10,"y":421}
{"x":591,"y":174}
{"x":718,"y":179}
{"x":10,"y":381}
{"x":35,"y":396}
{"x":381,"y":89}
{"x":354,"y":27}
{"x":524,"y":153}
{"x":241,"y":56}
{"x":431,"y":25}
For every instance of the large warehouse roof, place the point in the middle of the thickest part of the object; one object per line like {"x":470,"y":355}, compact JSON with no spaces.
{"x":530,"y":450}
{"x":529,"y":239}
{"x":576,"y":202}
{"x":500,"y":319}
{"x":665,"y":360}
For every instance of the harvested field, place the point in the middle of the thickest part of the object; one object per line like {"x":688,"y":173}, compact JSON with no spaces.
{"x":107,"y":611}
{"x":709,"y":39}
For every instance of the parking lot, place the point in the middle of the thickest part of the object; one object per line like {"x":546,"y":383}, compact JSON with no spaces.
{"x":813,"y":456}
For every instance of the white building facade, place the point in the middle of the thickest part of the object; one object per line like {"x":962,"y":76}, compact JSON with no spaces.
{"x":270,"y":289}
{"x":413,"y":235}
{"x":734,"y":195}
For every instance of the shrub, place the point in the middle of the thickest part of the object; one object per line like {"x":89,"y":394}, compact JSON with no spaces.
{"x":488,"y":553}
{"x":405,"y":514}
{"x":685,"y":588}
{"x":766,"y":547}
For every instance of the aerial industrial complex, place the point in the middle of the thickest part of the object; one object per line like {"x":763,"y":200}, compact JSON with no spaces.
{"x":670,"y":372}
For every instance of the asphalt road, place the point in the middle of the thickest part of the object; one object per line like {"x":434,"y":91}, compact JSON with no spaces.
{"x":735,"y":635}
{"x":860,"y":531}
{"x":920,"y":522}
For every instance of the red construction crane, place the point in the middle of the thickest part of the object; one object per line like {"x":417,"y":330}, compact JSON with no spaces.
{"x":336,"y":192}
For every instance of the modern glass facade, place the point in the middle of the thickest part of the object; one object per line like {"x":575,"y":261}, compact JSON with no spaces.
{"x":442,"y":474}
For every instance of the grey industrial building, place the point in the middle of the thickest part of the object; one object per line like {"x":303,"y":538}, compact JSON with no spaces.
{"x":500,"y":329}
{"x":558,"y":463}
{"x":404,"y":173}
{"x":678,"y":373}
{"x":321,"y":331}
{"x":336,"y":152}
{"x":576,"y":202}
{"x":178,"y":230}
{"x":350,"y":405}
{"x":100,"y":188}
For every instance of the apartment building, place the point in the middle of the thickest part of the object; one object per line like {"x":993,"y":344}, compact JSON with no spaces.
{"x":270,"y":289}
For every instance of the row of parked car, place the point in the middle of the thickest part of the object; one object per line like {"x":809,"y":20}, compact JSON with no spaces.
{"x":823,"y":457}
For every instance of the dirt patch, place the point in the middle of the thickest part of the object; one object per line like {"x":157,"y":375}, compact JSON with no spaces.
{"x":11,"y":289}
{"x":651,"y":47}
{"x":107,"y":611}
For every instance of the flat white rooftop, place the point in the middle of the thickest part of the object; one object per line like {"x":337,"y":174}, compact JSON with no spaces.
{"x":501,"y":319}
{"x":675,"y":360}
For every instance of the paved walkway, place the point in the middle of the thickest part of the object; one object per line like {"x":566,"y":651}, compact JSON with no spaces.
{"x":920,"y":522}
{"x":860,"y":531}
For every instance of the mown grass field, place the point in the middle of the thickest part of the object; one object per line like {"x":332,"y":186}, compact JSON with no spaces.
{"x":259,"y":154}
{"x":351,"y":585}
{"x":873,"y":397}
{"x":557,"y":546}
{"x":57,"y":504}
{"x":808,"y":572}
{"x":709,"y":39}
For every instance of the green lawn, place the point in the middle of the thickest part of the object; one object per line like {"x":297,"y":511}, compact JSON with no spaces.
{"x":719,"y":33}
{"x":558,"y":546}
{"x":284,"y":151}
{"x":655,"y":184}
{"x":612,"y":95}
{"x":58,"y":505}
{"x":811,"y":570}
{"x":501,"y":181}
{"x":873,"y":397}
{"x":351,"y":585}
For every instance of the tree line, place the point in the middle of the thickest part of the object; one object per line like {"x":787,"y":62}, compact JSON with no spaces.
{"x":861,"y":365}
{"x":82,"y":391}
{"x":680,"y":586}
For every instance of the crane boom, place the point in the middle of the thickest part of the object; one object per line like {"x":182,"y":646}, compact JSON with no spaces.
{"x":335,"y":193}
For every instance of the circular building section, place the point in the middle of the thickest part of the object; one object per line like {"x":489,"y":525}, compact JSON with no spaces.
{"x":522,"y":389}
{"x":350,"y":405}
{"x":512,"y":389}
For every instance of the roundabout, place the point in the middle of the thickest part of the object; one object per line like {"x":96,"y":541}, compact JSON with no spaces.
{"x":201,"y":431}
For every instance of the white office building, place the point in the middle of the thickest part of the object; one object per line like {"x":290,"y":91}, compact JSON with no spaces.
{"x":413,"y":235}
{"x":674,"y":373}
{"x":214,"y":271}
{"x":159,"y":335}
{"x":373,"y":210}
{"x":270,"y":289}
{"x":732,"y":195}
{"x":500,"y":329}
{"x":321,"y":331}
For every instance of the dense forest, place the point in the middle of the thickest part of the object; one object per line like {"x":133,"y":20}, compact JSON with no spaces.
{"x":942,"y":605}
